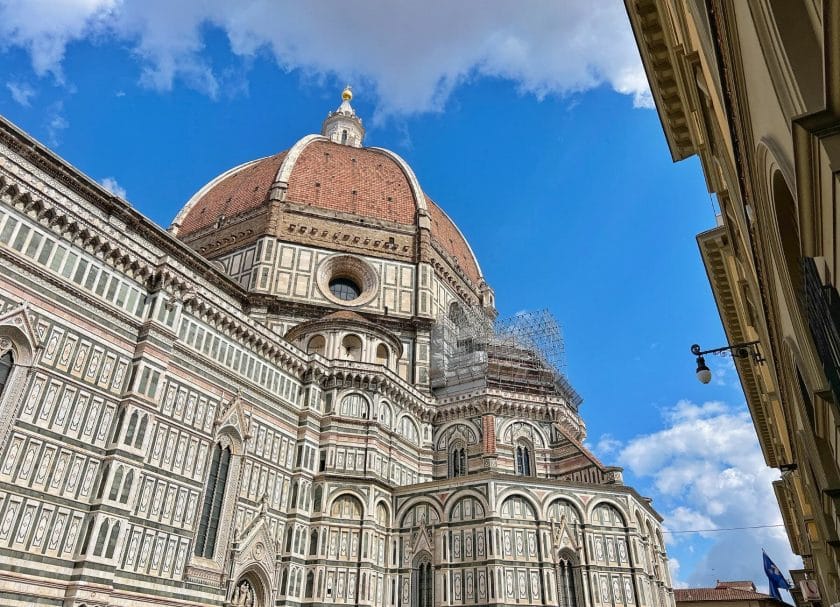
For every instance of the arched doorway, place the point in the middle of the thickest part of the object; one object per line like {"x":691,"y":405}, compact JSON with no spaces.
{"x":249,"y":592}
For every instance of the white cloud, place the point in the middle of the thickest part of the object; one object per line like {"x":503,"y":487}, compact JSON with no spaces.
{"x":410,"y":55}
{"x":110,"y":184}
{"x":707,"y":472}
{"x":56,"y":123}
{"x":45,"y":27}
{"x":607,"y":445}
{"x":21,"y":92}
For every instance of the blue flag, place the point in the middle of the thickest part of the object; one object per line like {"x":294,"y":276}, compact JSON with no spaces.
{"x":775,"y":577}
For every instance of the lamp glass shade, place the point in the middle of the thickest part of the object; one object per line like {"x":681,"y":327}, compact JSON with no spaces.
{"x":704,"y":375}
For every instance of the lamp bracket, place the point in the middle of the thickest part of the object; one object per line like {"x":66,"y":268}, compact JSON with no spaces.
{"x":742,"y":350}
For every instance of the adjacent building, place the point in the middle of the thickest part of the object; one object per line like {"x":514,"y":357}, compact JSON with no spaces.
{"x":753,"y":88}
{"x":725,"y":594}
{"x":298,"y":395}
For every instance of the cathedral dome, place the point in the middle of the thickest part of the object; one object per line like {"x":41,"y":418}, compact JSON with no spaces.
{"x":334,"y":176}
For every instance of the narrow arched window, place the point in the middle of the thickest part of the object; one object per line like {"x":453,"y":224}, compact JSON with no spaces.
{"x":141,"y":432}
{"x":310,"y":584}
{"x":344,"y":136}
{"x":132,"y":426}
{"x":523,"y":460}
{"x":126,"y":488}
{"x":423,"y":591}
{"x":118,"y":425}
{"x":208,"y":524}
{"x":100,"y":539}
{"x":112,"y":541}
{"x":115,"y":484}
{"x":567,"y":589}
{"x":7,"y":361}
{"x":313,"y":543}
{"x":458,"y":463}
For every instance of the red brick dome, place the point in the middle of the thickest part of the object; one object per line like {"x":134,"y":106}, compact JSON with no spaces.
{"x":356,"y":182}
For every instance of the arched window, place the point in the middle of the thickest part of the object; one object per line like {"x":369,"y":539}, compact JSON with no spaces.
{"x":383,"y":356}
{"x":523,"y":459}
{"x":118,"y":424}
{"x":351,"y":347}
{"x":409,"y":430}
{"x":382,"y":517}
{"x":208,"y":524}
{"x":458,"y":460}
{"x":115,"y":484}
{"x":126,"y":489}
{"x":141,"y":432}
{"x":104,"y":480}
{"x":310,"y":584}
{"x":567,"y":586}
{"x":354,"y":405}
{"x":132,"y":426}
{"x":7,"y":361}
{"x":344,"y":136}
{"x":100,"y":539}
{"x":385,"y":414}
{"x":423,"y":578}
{"x":347,"y":508}
{"x":787,"y":219}
{"x":112,"y":541}
{"x":317,"y":345}
{"x":318,"y":499}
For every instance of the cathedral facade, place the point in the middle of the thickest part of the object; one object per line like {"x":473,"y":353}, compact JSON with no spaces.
{"x":296,"y":395}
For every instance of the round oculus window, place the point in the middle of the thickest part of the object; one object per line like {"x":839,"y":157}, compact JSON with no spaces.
{"x":345,"y":289}
{"x":346,"y":280}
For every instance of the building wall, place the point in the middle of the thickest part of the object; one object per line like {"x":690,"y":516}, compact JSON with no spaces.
{"x":753,"y":88}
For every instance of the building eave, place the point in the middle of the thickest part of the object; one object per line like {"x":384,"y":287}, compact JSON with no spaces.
{"x":663,"y":73}
{"x":714,"y":249}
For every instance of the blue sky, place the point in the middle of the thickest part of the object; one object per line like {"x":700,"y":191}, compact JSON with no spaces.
{"x":533,"y":131}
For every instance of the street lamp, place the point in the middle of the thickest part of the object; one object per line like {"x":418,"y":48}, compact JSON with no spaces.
{"x":744,"y":350}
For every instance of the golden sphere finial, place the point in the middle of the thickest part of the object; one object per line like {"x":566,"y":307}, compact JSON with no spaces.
{"x":347,"y":94}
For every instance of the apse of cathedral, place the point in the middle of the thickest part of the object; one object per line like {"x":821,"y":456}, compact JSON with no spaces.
{"x":298,"y":394}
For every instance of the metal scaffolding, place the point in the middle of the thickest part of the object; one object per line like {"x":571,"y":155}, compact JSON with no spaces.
{"x":522,"y":353}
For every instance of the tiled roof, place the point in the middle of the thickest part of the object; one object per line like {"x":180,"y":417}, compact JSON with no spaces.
{"x":449,"y":238}
{"x":717,"y":594}
{"x":242,"y":191}
{"x":352,"y":180}
{"x":358,"y":181}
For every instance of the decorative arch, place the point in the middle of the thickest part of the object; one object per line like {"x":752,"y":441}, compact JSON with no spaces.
{"x":382,"y":513}
{"x":386,"y":413}
{"x":607,"y":513}
{"x":449,"y":431}
{"x":559,"y":506}
{"x":526,"y":494}
{"x":466,"y":505}
{"x":408,"y":428}
{"x":260,"y":585}
{"x":409,"y":514}
{"x":513,"y":429}
{"x":18,"y":344}
{"x":354,"y":404}
{"x":347,"y":505}
{"x":317,"y":344}
{"x":519,"y":506}
{"x":383,"y":354}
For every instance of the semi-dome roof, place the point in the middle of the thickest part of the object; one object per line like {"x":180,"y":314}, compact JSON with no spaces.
{"x":324,"y":173}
